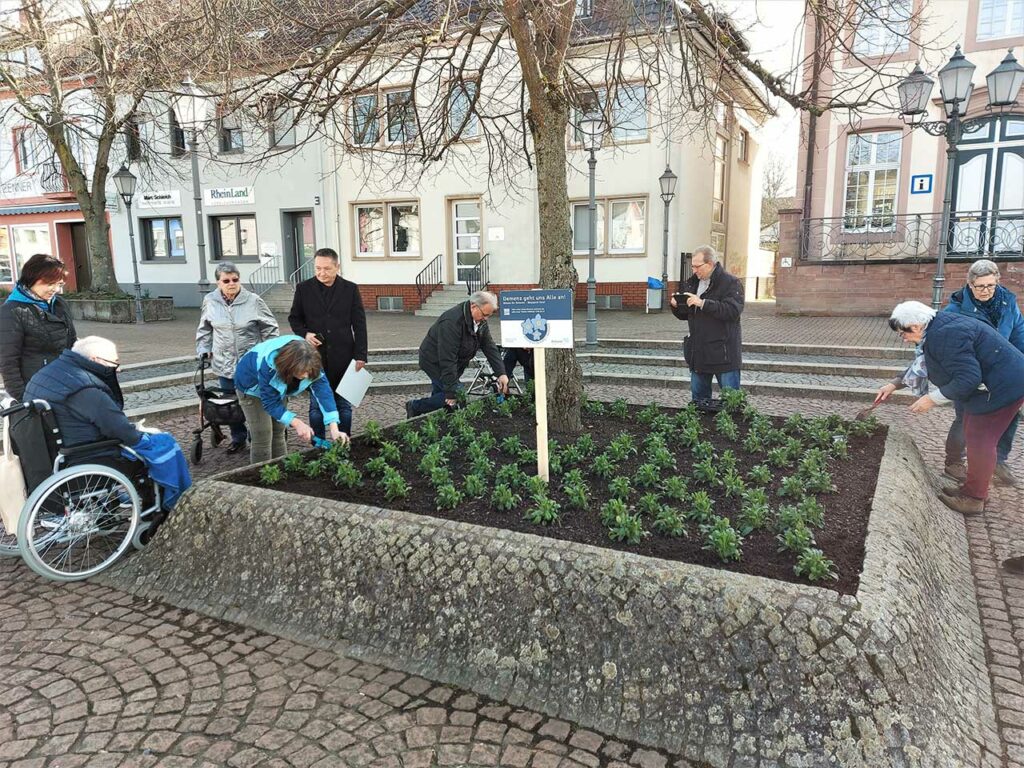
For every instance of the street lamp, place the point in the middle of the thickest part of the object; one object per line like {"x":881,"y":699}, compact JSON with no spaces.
{"x":667,"y":180}
{"x":192,"y":108}
{"x":592,"y":131}
{"x":124,"y":183}
{"x":956,"y":86}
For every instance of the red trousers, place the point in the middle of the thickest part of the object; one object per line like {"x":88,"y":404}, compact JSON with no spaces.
{"x":982,"y":432}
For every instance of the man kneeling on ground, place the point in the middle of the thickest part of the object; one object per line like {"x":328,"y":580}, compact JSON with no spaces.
{"x":82,"y":389}
{"x":451,"y":342}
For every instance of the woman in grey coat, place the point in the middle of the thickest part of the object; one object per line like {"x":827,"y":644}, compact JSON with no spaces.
{"x":232,"y":322}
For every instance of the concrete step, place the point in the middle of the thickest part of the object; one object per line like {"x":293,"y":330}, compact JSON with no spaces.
{"x":279,"y":298}
{"x":441,"y":300}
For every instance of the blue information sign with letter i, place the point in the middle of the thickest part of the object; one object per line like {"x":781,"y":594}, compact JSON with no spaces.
{"x":921,"y":184}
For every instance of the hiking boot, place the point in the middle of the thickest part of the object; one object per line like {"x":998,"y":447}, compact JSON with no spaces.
{"x":1003,"y":476}
{"x":965,"y":505}
{"x":957,"y":471}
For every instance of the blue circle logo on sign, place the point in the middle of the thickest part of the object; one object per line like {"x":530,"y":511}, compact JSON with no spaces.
{"x":535,"y":329}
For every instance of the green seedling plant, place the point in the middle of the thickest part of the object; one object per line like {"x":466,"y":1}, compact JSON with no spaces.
{"x":814,"y":566}
{"x":689,"y":435}
{"x":585,"y":445}
{"x":412,"y":440}
{"x":512,"y":445}
{"x":726,"y":426}
{"x":603,"y":466}
{"x":486,"y":441}
{"x":662,"y":424}
{"x":504,"y":498}
{"x":733,"y":483}
{"x":753,"y":443}
{"x":749,"y":413}
{"x":703,"y":451}
{"x":510,"y":475}
{"x":432,"y":458}
{"x":430,"y":431}
{"x":394,"y":485}
{"x":754,"y":516}
{"x":545,"y":512}
{"x":293,"y":463}
{"x":390,"y":452}
{"x":314,"y":468}
{"x":647,"y":476}
{"x":612,"y":509}
{"x":475,"y":485}
{"x":674,"y":488}
{"x":573,"y":477}
{"x":628,"y":528}
{"x":701,"y":505}
{"x":373,"y":432}
{"x":482,"y":465}
{"x":840,"y":447}
{"x":621,"y":447}
{"x":727,"y":461}
{"x":796,"y":538}
{"x":576,"y":495}
{"x":620,"y":487}
{"x":792,"y":486}
{"x":778,"y":457}
{"x":669,"y":522}
{"x":402,"y":428}
{"x":756,"y":496}
{"x":593,"y":407}
{"x":812,"y":512}
{"x":794,"y":423}
{"x":555,"y":464}
{"x":723,"y":540}
{"x":270,"y":474}
{"x":376,"y":466}
{"x":447,"y":497}
{"x":619,"y":408}
{"x":760,"y":474}
{"x":661,"y":457}
{"x":440,"y":476}
{"x":649,"y":504}
{"x":648,"y":414}
{"x":819,"y":481}
{"x":734,"y":400}
{"x":706,"y":471}
{"x":536,"y":486}
{"x":347,"y":476}
{"x":864,"y":427}
{"x":793,"y":448}
{"x":529,"y":456}
{"x":505,"y":408}
{"x":448,"y":445}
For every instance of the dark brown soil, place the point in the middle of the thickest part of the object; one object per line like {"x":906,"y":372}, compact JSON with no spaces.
{"x":841,"y":539}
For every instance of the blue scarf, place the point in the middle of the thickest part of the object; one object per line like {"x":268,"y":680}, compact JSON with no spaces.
{"x":22,"y":295}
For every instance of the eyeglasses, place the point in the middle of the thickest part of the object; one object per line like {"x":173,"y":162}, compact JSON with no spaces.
{"x":227,"y":280}
{"x":112,"y":363}
{"x":701,"y":264}
{"x":983,"y":288}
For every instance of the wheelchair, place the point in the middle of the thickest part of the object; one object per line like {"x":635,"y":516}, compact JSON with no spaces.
{"x":86,"y":504}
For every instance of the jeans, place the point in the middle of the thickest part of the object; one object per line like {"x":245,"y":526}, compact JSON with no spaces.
{"x":700,"y":383}
{"x":239,"y":434}
{"x":268,"y":438}
{"x":981,"y":432}
{"x":433,"y":403}
{"x":514,"y":357}
{"x":956,"y":444}
{"x":316,"y":418}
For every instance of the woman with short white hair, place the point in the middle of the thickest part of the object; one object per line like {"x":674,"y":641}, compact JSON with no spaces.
{"x":971,"y":364}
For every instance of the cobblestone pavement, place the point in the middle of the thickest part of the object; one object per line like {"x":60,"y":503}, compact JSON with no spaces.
{"x":760,"y":324}
{"x":97,"y":678}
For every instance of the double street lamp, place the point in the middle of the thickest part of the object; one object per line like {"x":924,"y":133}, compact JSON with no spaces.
{"x":124,"y":182}
{"x":955,"y":86}
{"x":667,"y":180}
{"x":592,"y":129}
{"x":192,"y":108}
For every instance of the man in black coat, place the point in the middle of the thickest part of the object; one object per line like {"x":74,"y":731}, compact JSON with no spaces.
{"x":451,"y":342}
{"x":328,"y":312}
{"x":711,"y":303}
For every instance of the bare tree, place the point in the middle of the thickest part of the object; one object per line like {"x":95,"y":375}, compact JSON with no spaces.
{"x":775,"y":187}
{"x":75,"y":76}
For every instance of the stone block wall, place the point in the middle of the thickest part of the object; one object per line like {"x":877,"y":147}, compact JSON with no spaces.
{"x":862,"y":289}
{"x":724,"y":668}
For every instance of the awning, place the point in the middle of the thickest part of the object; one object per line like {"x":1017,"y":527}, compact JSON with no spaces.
{"x":17,"y":210}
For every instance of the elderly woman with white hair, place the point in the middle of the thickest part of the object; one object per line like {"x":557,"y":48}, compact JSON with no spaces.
{"x":970,"y":363}
{"x":984,"y":299}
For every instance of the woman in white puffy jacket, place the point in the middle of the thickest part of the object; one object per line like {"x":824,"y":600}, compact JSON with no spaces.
{"x":232,"y":322}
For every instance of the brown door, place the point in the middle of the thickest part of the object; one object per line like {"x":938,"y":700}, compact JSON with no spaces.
{"x":299,"y":242}
{"x":80,"y":252}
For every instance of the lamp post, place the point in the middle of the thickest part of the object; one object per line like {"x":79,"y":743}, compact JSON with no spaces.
{"x":124,"y":183}
{"x":955,"y":85}
{"x":592,"y":131}
{"x":667,"y":180}
{"x":192,"y":108}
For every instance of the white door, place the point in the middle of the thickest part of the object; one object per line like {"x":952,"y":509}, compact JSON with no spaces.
{"x":465,"y":219}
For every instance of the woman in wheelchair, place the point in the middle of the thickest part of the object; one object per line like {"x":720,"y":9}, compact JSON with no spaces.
{"x":96,"y":483}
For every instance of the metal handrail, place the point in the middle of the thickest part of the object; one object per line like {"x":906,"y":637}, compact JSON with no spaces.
{"x":428,"y":279}
{"x":266,"y":276}
{"x":481,"y":276}
{"x":305,"y":271}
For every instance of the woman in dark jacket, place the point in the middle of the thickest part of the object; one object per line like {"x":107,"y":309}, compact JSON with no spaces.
{"x":35,"y":322}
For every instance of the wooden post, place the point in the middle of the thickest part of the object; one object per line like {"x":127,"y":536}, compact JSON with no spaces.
{"x":540,"y":394}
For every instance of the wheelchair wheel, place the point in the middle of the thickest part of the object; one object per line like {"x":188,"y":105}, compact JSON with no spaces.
{"x":8,"y":542}
{"x":78,"y":522}
{"x":197,"y":449}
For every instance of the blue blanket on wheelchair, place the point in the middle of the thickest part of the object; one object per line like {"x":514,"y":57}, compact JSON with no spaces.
{"x":165,"y":463}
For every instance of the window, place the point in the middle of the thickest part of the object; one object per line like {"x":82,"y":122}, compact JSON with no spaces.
{"x":744,"y":146}
{"x":584,"y":9}
{"x":621,"y":223}
{"x":29,"y":239}
{"x":1000,"y":18}
{"x":883,"y":27}
{"x":365,"y":126}
{"x":177,"y":134}
{"x":229,"y":135}
{"x":872,"y":173}
{"x":282,"y":127}
{"x":162,"y":238}
{"x":234,"y":238}
{"x":132,"y":139}
{"x":720,"y":180}
{"x":628,"y":113}
{"x":718,"y":243}
{"x":387,"y":229}
{"x":31,"y":148}
{"x":390,"y":304}
{"x":6,"y":265}
{"x":462,"y":121}
{"x":401,"y":117}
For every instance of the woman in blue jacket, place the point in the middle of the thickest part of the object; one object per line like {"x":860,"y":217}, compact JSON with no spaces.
{"x":266,"y":376}
{"x":970,"y":363}
{"x":984,"y":299}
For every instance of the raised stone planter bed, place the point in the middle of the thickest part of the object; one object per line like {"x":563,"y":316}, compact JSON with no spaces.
{"x":120,"y":310}
{"x":725,"y":668}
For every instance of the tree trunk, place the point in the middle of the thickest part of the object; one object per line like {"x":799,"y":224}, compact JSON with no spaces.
{"x":101,"y":259}
{"x":548,"y":123}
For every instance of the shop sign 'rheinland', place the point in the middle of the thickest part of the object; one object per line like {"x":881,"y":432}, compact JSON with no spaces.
{"x":537,"y":319}
{"x":228,"y":196}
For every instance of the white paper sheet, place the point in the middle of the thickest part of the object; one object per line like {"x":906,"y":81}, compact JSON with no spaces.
{"x":353,"y":384}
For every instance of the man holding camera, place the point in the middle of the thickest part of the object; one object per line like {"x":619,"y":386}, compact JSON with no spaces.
{"x":327,"y":311}
{"x":711,"y":304}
